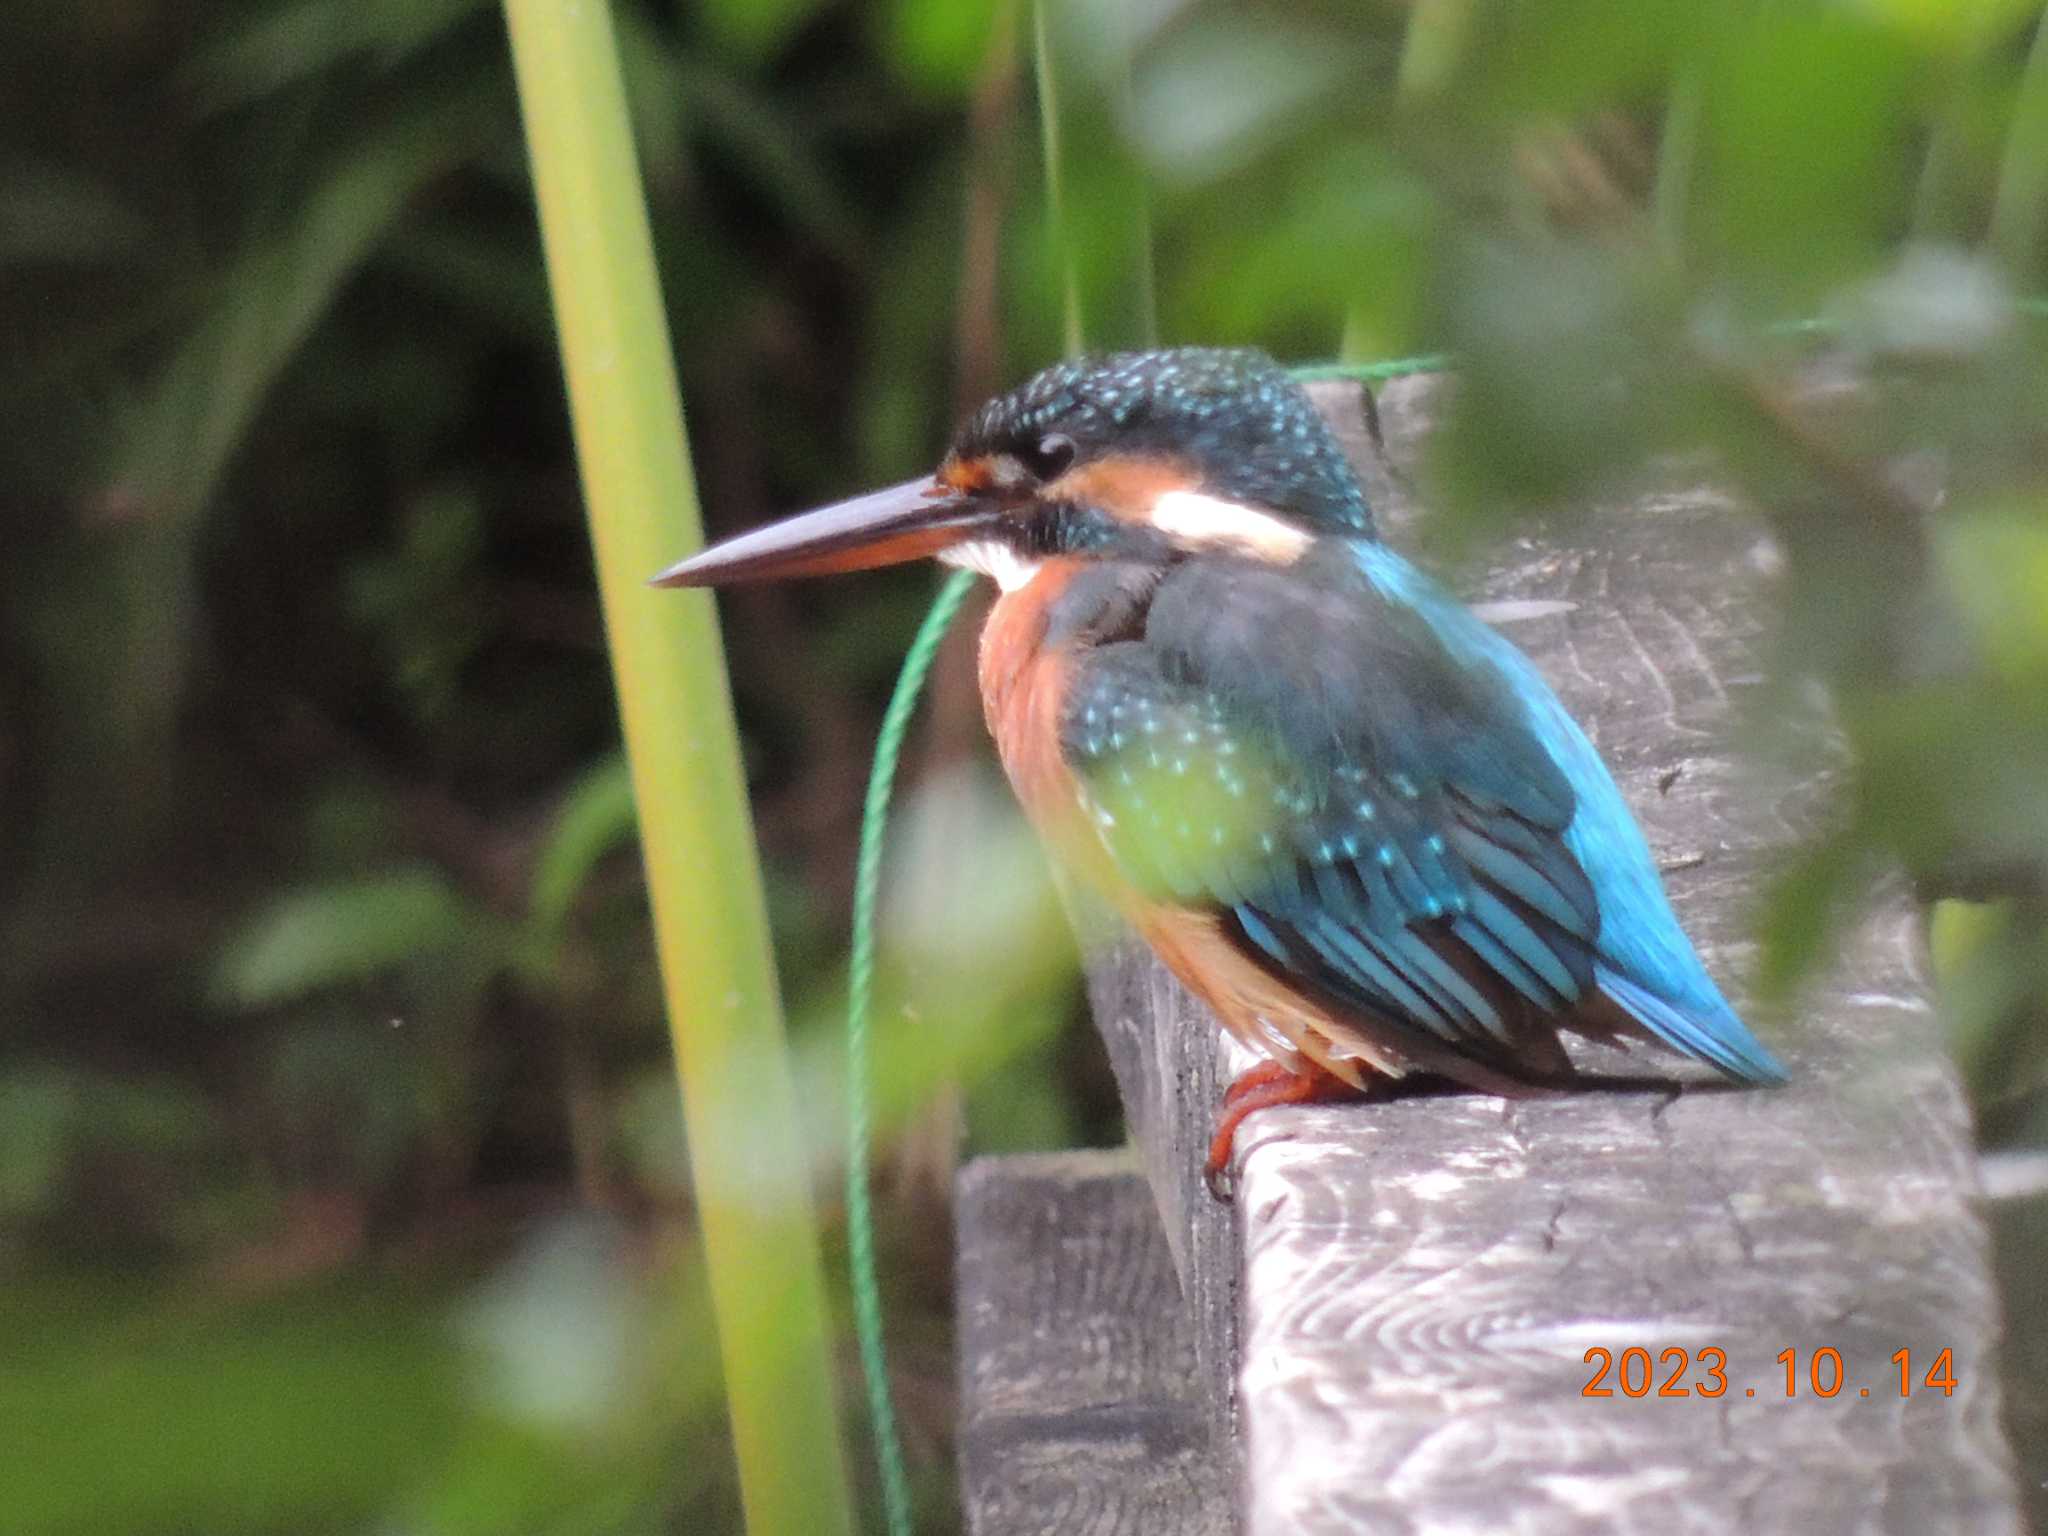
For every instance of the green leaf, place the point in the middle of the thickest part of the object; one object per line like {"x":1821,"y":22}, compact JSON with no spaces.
{"x":756,"y":27}
{"x":282,"y":46}
{"x":1995,"y":561}
{"x":57,"y":214}
{"x":1284,"y":248}
{"x":596,"y":815}
{"x":1991,"y":963}
{"x":1215,"y":95}
{"x":1959,"y":932}
{"x":1806,"y":124}
{"x":940,"y":45}
{"x":342,"y":933}
{"x":38,"y":1106}
{"x":486,"y":271}
{"x":1951,"y":24}
{"x":171,"y":445}
{"x":1567,"y":376}
{"x":170,"y":442}
{"x":763,"y":136}
{"x":146,"y":1419}
{"x":1803,"y":907}
{"x":1565,"y":57}
{"x":57,"y":1119}
{"x":676,"y":96}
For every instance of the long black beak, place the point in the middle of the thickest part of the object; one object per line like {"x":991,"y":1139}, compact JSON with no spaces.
{"x":918,"y":517}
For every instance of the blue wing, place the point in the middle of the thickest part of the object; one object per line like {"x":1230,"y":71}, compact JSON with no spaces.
{"x":1379,"y":812}
{"x":1645,"y":963}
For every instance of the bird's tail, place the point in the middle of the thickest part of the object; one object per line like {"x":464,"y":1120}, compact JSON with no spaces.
{"x":1714,"y":1035}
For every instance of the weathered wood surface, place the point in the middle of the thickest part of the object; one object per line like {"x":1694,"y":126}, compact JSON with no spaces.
{"x":2018,"y":1185}
{"x":1404,"y":1293}
{"x":1170,"y":1080}
{"x":1080,"y":1410}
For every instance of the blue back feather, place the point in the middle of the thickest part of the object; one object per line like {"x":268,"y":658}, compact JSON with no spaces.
{"x":1644,"y":960}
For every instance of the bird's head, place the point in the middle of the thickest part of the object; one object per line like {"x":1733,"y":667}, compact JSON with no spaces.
{"x":1151,"y":456}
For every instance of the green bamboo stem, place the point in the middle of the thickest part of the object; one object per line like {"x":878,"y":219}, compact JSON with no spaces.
{"x":703,"y":881}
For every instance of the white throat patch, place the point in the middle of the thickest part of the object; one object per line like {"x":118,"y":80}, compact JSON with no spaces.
{"x":995,"y":560}
{"x":1202,"y":519}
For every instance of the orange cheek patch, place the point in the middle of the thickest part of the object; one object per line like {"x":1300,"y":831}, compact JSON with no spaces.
{"x":1124,"y":487}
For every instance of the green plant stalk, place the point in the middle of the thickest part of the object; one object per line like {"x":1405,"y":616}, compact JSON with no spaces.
{"x":1431,"y":48}
{"x":2019,"y":213}
{"x":703,"y":880}
{"x":1939,"y":199}
{"x":1432,"y":45}
{"x":1145,"y":278}
{"x":1678,"y":151}
{"x":1047,"y":76}
{"x":1352,"y":344}
{"x":1098,"y":205}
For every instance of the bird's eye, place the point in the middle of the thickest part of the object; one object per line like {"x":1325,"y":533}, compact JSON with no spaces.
{"x":1054,"y":453}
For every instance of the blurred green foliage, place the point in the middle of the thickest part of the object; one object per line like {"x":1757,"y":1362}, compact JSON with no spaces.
{"x":322,"y":952}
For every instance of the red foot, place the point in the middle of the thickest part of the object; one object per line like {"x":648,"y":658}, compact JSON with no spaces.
{"x":1266,"y":1074}
{"x":1265,"y":1087}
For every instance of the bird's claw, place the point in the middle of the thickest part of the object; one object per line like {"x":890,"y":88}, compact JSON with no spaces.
{"x":1221,"y":1181}
{"x":1266,"y":1086}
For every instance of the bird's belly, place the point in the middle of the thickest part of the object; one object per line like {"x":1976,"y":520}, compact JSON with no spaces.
{"x":1023,"y":689}
{"x":1257,"y":1008}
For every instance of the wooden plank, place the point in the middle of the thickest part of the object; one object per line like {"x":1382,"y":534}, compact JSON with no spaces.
{"x":1421,"y":1280}
{"x":1080,"y":1408}
{"x":1171,"y":1064}
{"x":2017,"y":1184}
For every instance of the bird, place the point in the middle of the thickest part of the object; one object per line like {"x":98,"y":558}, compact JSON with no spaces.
{"x":1351,"y":817}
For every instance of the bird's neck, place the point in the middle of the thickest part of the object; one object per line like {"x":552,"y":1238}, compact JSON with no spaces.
{"x":1013,"y":641}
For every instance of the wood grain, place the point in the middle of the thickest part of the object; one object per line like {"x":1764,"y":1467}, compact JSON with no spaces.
{"x":1080,"y":1410}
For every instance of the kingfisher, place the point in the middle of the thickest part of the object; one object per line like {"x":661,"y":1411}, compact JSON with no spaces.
{"x":1347,"y":814}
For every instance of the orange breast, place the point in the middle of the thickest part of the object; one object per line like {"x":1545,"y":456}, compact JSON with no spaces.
{"x":1022,"y":688}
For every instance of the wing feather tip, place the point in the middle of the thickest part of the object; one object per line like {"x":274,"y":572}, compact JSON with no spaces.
{"x":1722,"y":1042}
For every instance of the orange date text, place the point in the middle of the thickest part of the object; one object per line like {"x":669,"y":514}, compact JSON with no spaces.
{"x":1675,"y":1372}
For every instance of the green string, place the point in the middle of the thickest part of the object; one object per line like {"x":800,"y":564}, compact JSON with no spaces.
{"x":860,"y":1226}
{"x":1371,"y":373}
